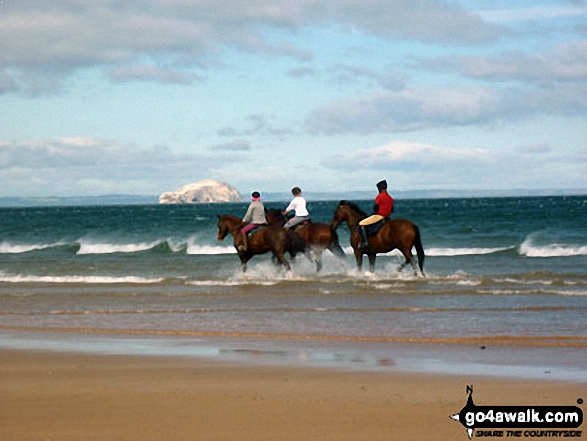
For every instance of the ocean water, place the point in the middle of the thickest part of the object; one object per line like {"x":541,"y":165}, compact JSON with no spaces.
{"x":507,"y":272}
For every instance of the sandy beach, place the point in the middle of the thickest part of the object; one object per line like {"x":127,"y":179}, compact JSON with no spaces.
{"x":64,"y":396}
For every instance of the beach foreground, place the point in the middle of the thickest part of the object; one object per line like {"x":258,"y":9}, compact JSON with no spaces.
{"x":63,"y":396}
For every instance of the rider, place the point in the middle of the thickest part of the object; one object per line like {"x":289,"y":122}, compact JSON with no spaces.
{"x":383,"y":208}
{"x":254,"y":217}
{"x":298,"y":204}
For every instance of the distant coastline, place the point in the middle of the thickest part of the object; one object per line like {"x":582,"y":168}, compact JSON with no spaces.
{"x":127,"y":199}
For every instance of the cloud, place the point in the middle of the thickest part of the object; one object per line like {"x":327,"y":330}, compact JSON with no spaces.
{"x":301,"y":72}
{"x":405,"y":110}
{"x":409,"y":165}
{"x":388,"y":111}
{"x":391,"y":79}
{"x":566,"y":62}
{"x":504,"y":15}
{"x":55,"y":38}
{"x":138,"y":72}
{"x":419,"y":165}
{"x":257,"y":125}
{"x":236,"y":146}
{"x":536,"y":149}
{"x":400,"y":155}
{"x":77,"y":166}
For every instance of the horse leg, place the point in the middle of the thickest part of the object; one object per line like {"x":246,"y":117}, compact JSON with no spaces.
{"x":318,"y":257}
{"x":243,"y":258}
{"x":334,"y":245}
{"x":337,"y":250}
{"x":359,"y":258}
{"x":409,"y":260}
{"x":280,"y":256}
{"x":372,"y":262}
{"x":415,"y":266}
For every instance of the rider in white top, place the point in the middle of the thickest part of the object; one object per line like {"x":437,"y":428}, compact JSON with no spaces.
{"x":298,"y":204}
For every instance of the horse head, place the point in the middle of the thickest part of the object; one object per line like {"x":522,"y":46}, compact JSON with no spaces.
{"x":275,"y":217}
{"x":340,"y":215}
{"x":348,"y":212}
{"x":222,"y":227}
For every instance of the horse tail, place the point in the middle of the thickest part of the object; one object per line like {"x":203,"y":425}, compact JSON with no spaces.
{"x":419,"y":249}
{"x":334,"y":244}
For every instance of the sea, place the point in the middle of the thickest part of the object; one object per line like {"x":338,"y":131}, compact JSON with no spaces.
{"x":504,"y":292}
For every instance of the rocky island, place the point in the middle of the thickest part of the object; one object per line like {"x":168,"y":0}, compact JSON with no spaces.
{"x":206,"y":191}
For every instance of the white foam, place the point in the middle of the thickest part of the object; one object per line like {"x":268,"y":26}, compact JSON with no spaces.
{"x":232,"y":282}
{"x":463,"y":251}
{"x":8,"y":248}
{"x":210,"y":249}
{"x":87,"y":247}
{"x":18,"y":278}
{"x":529,"y":249}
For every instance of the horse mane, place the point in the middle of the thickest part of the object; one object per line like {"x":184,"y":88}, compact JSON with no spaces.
{"x":229,"y":218}
{"x":353,"y":207}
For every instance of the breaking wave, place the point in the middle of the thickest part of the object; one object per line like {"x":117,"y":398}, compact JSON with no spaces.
{"x":17,"y":278}
{"x":88,"y":247}
{"x":464,"y":251}
{"x":530,"y":249}
{"x":194,"y":246}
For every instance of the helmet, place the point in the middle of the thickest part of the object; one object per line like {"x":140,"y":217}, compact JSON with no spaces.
{"x":382,"y":185}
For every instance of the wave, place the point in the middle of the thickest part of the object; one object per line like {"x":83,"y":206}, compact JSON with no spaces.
{"x":192,"y":246}
{"x":109,"y":248}
{"x":529,"y":249}
{"x":89,"y":246}
{"x":449,"y":252}
{"x":18,"y":278}
{"x":210,"y":249}
{"x":9,"y":248}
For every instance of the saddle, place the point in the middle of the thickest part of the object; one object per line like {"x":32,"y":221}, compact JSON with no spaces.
{"x":305,"y":222}
{"x":374,"y":228}
{"x":254,"y":230}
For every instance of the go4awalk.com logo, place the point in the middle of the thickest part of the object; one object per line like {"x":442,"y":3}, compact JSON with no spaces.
{"x":520,"y":421}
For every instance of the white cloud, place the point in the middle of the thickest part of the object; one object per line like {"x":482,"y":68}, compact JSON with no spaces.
{"x":78,"y":166}
{"x":508,"y":15}
{"x":566,"y":62}
{"x":410,"y":165}
{"x":413,"y":108}
{"x":138,"y":72}
{"x":38,"y":38}
{"x":402,"y":155}
{"x":406,"y":110}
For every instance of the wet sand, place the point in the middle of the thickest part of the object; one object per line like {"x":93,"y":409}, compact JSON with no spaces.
{"x":63,"y":396}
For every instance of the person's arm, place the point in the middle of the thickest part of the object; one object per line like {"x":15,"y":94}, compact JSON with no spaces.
{"x":249,"y":215}
{"x":376,"y":206}
{"x":291,"y":206}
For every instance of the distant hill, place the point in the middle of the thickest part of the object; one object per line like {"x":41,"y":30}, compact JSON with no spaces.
{"x":125,"y":199}
{"x":116,"y":199}
{"x":423,"y":194}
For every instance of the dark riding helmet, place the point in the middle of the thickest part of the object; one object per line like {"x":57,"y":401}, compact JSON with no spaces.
{"x":256,"y":195}
{"x":382,"y":185}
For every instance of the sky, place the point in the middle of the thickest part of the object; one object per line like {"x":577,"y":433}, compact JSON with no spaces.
{"x":144,"y":96}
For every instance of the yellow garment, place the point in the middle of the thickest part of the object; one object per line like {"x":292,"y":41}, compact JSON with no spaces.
{"x":371,"y":220}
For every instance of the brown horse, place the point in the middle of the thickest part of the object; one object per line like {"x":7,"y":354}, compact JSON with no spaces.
{"x":272,"y":238}
{"x":398,"y":234}
{"x":316,"y":236}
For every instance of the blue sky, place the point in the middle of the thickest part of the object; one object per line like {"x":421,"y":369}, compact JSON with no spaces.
{"x":142,"y":97}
